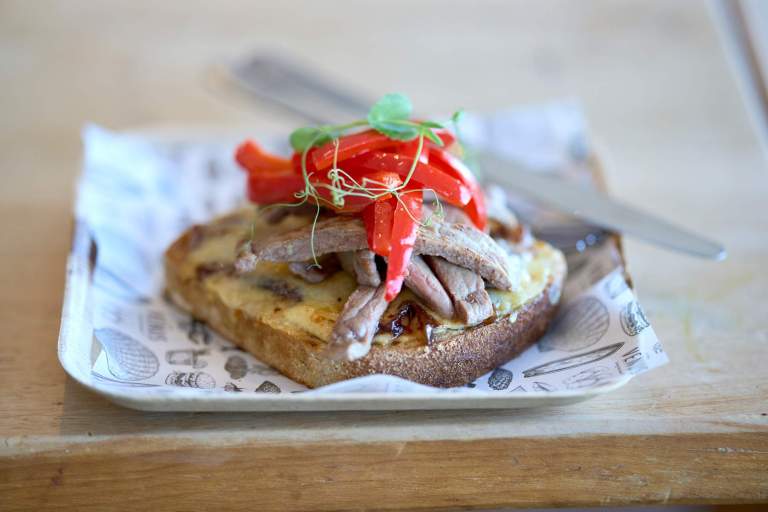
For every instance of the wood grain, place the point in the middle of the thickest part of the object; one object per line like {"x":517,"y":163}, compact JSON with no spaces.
{"x":658,"y":92}
{"x":431,"y":475}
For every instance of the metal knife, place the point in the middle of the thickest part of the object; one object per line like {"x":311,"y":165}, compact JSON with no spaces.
{"x":293,"y":86}
{"x":596,"y":208}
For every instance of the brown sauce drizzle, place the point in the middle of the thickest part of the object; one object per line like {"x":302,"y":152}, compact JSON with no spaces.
{"x":205,"y":270}
{"x":281,"y":288}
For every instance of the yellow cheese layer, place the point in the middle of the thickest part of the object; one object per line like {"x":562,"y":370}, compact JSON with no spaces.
{"x":299,"y":307}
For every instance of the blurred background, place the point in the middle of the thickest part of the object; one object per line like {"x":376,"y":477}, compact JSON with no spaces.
{"x":656,"y":80}
{"x":675,"y":92}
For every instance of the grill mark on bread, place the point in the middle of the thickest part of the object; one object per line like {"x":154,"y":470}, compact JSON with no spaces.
{"x":281,"y":288}
{"x":199,"y":233}
{"x":210,"y":268}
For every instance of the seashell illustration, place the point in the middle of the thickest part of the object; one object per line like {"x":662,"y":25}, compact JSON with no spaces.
{"x":232,"y":387}
{"x":615,"y":286}
{"x":633,"y":319}
{"x":566,"y":363}
{"x":591,"y":377}
{"x":127,"y":359}
{"x":236,"y":366}
{"x":543,"y":386}
{"x":268,"y":387}
{"x":582,"y":325}
{"x":500,"y":379}
{"x":199,"y":380}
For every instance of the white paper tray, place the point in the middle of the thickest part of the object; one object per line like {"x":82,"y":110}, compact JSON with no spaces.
{"x":80,"y":352}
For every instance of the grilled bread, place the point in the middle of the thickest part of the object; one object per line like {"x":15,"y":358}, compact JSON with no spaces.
{"x":286,"y":321}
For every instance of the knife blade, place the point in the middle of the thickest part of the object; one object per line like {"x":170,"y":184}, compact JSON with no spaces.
{"x":596,"y":208}
{"x":287,"y":83}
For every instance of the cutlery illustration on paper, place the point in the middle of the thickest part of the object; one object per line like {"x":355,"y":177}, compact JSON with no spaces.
{"x":567,"y":363}
{"x":591,"y":377}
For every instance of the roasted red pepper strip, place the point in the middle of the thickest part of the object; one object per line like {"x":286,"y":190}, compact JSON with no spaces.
{"x":351,"y":145}
{"x":409,"y":149}
{"x":405,"y":225}
{"x":447,"y":187}
{"x":378,"y":225}
{"x":254,"y":159}
{"x":274,"y":187}
{"x":451,"y":165}
{"x":296,"y":161}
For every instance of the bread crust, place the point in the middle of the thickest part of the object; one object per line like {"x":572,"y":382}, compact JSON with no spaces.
{"x":453,"y":361}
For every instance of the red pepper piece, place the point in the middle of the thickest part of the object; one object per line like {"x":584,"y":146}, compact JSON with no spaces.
{"x":409,"y":149}
{"x":254,"y":159}
{"x":405,"y":225}
{"x":296,"y":161}
{"x":447,"y":187}
{"x":350,"y":146}
{"x":446,"y":162}
{"x":274,"y":187}
{"x":378,"y":225}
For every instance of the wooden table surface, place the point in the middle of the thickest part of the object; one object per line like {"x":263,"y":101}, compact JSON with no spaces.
{"x":658,"y":90}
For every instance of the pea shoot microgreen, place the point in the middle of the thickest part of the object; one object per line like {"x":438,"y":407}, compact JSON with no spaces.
{"x":390,"y":116}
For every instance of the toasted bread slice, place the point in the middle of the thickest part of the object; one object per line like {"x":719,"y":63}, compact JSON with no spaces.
{"x":286,"y":322}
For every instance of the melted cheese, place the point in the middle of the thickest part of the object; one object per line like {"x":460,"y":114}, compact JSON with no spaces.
{"x":300,"y":307}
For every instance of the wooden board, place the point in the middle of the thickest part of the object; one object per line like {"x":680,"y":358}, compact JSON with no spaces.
{"x":657,"y":89}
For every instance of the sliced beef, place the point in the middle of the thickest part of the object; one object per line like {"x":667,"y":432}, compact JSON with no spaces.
{"x":276,"y":214}
{"x":463,"y":245}
{"x":467,"y":290}
{"x":313,"y":273}
{"x":425,"y":284}
{"x":335,"y":234}
{"x":450,"y":214}
{"x":362,"y":265}
{"x":359,"y":320}
{"x":467,"y":247}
